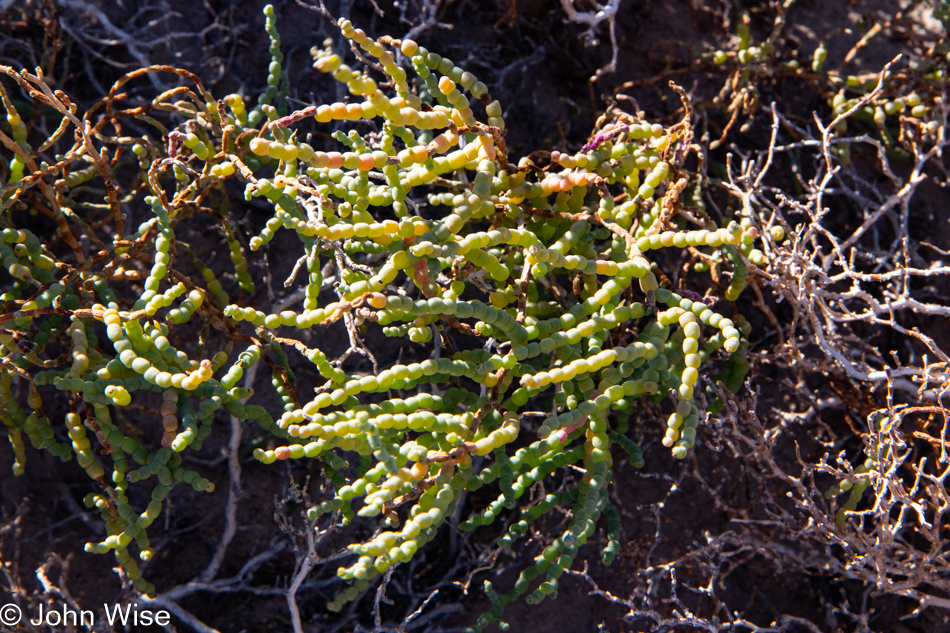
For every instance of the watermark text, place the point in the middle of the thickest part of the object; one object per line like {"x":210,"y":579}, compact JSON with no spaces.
{"x":66,"y":616}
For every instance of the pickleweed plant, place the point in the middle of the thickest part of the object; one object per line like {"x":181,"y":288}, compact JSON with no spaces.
{"x":539,"y":279}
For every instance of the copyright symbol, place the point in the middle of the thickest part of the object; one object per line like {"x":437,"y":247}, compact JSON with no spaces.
{"x":10,"y":615}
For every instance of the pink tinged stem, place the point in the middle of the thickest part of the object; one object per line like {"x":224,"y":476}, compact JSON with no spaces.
{"x":294,"y":117}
